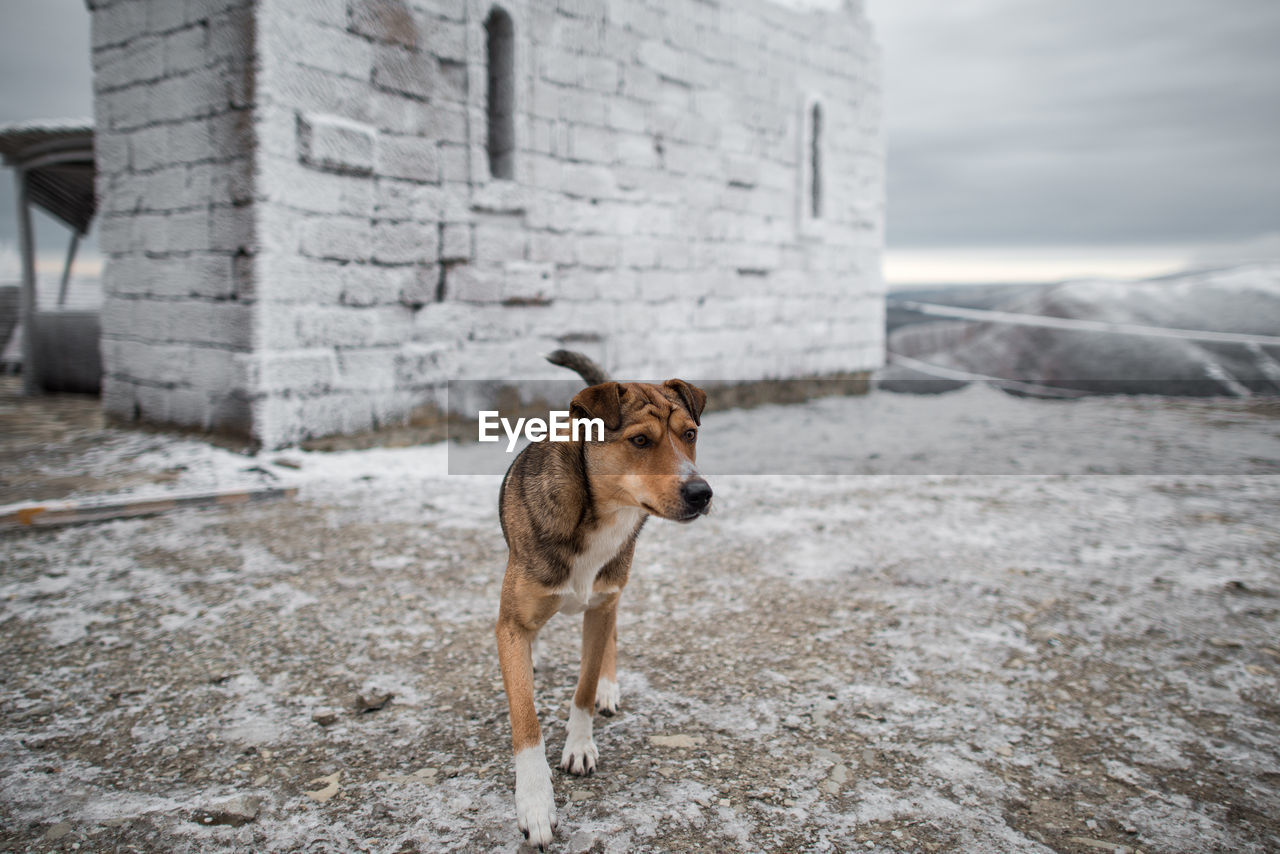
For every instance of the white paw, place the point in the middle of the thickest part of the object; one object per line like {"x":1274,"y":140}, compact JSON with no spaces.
{"x":535,"y":799}
{"x":580,"y":753}
{"x":607,"y":696}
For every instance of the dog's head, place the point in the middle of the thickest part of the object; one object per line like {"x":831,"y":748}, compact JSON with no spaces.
{"x":650,"y":443}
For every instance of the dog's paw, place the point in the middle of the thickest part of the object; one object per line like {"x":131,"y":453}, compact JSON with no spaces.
{"x":579,"y":757}
{"x":537,"y":823}
{"x":607,"y":696}
{"x":580,"y":752}
{"x":535,"y":799}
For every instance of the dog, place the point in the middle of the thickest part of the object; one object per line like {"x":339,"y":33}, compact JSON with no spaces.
{"x":571,"y":512}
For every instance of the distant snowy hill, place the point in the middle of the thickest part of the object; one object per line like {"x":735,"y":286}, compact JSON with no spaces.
{"x":1244,"y":299}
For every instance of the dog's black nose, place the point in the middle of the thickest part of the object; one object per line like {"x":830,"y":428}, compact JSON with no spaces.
{"x":696,"y":493}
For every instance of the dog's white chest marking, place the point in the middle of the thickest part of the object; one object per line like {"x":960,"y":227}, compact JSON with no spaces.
{"x":601,"y":547}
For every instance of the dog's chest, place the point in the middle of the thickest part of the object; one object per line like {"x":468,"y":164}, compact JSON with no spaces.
{"x":601,"y":546}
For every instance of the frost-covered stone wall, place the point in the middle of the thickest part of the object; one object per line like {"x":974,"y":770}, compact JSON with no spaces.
{"x":173,"y":86}
{"x":305,"y":235}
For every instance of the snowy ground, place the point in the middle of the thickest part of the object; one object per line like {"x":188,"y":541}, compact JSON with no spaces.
{"x":943,"y":661}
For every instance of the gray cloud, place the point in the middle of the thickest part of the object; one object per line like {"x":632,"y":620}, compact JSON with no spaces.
{"x":44,"y":60}
{"x":1145,"y":121}
{"x":1010,"y":121}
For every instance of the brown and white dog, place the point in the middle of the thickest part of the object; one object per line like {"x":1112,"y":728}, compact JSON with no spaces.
{"x":571,"y":512}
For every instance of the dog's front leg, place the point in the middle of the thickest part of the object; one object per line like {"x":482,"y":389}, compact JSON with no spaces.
{"x":535,"y":798}
{"x":598,"y":626}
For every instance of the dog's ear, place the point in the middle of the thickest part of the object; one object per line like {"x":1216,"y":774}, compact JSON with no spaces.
{"x":691,"y":396}
{"x":602,"y":401}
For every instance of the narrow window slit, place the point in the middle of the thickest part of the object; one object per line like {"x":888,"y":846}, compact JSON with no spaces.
{"x":500,"y":56}
{"x":815,"y":161}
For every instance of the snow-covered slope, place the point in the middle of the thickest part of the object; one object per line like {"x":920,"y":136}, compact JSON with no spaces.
{"x":1243,"y":299}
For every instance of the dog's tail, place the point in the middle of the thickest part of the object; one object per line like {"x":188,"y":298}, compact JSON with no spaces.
{"x":590,"y":372}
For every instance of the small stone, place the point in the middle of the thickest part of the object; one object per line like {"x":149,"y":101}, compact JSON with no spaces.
{"x":681,"y":740}
{"x":58,"y":831}
{"x":328,"y":787}
{"x":235,"y":812}
{"x":1004,"y":750}
{"x":325,"y":717}
{"x":422,"y":775}
{"x":580,"y":795}
{"x":373,"y":700}
{"x":1099,"y":845}
{"x":583,"y":841}
{"x":725,"y":802}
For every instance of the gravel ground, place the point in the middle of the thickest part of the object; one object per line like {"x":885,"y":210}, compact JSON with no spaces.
{"x":945,"y":662}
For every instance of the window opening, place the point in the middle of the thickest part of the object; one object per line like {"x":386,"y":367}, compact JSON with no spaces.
{"x":815,"y":161}
{"x":500,"y":57}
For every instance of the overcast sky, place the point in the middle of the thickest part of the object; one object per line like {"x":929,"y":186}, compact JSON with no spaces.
{"x":1125,"y":128}
{"x":1022,"y":133}
{"x":44,"y":73}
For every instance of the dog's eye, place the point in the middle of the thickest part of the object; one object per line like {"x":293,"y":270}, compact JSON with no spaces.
{"x":640,"y":441}
{"x":690,"y":435}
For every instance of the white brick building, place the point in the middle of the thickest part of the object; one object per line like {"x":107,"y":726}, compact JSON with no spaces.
{"x":315,"y":213}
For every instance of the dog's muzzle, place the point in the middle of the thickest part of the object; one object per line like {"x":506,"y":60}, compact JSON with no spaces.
{"x":696,"y":494}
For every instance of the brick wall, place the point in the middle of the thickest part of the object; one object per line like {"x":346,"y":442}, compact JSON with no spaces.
{"x":173,"y":90}
{"x":299,"y":195}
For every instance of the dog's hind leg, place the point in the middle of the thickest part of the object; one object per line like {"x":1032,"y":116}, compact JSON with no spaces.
{"x":598,"y":627}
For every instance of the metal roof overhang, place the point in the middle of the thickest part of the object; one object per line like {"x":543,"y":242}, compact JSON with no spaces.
{"x":54,"y":170}
{"x":55,"y":159}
